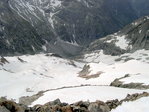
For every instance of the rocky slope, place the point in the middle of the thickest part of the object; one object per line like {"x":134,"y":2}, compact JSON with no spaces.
{"x":16,"y":34}
{"x":65,"y":27}
{"x":61,"y":26}
{"x":58,"y":106}
{"x":133,"y":37}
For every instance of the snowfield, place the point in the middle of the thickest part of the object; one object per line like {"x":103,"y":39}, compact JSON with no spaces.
{"x":36,"y":73}
{"x":27,"y":75}
{"x":122,"y":42}
{"x":135,"y":69}
{"x":99,"y":56}
{"x":91,"y":93}
{"x":141,"y":105}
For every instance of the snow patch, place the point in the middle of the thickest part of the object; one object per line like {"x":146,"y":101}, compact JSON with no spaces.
{"x":99,"y":56}
{"x":44,"y":48}
{"x":141,"y":105}
{"x":72,"y":95}
{"x":135,"y":23}
{"x":122,"y":42}
{"x":147,"y":17}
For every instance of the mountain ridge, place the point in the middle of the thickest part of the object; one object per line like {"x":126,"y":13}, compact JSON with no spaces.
{"x":38,"y":25}
{"x":132,"y":37}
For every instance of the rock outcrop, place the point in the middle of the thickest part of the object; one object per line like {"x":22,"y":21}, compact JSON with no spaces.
{"x":58,"y":106}
{"x":118,"y":83}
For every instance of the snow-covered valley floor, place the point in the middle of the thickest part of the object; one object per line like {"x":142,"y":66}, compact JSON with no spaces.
{"x":90,"y":93}
{"x":27,"y":75}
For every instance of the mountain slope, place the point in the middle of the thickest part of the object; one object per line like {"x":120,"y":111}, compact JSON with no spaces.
{"x":58,"y":26}
{"x":16,"y":34}
{"x":131,"y":38}
{"x":76,"y":20}
{"x":55,"y":77}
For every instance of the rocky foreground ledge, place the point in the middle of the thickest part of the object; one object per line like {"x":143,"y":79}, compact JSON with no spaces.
{"x":57,"y":106}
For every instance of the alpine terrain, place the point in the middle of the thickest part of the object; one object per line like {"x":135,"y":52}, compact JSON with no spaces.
{"x":74,"y":56}
{"x":63,"y":27}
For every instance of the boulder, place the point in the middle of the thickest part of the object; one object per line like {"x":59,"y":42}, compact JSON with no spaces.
{"x":3,"y":109}
{"x":98,"y":106}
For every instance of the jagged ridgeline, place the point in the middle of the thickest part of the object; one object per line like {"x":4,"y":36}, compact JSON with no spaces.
{"x":62,"y":26}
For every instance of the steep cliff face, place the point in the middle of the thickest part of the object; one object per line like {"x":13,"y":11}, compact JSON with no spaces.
{"x":75,"y":20}
{"x":16,"y":34}
{"x":60,"y":26}
{"x":137,"y":34}
{"x":133,"y":37}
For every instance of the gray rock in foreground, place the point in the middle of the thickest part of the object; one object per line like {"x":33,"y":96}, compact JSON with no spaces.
{"x":58,"y":106}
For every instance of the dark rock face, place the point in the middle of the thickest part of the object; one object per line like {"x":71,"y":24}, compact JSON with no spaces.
{"x":134,"y":35}
{"x":16,"y":34}
{"x":3,"y":61}
{"x":31,"y":26}
{"x":138,"y":33}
